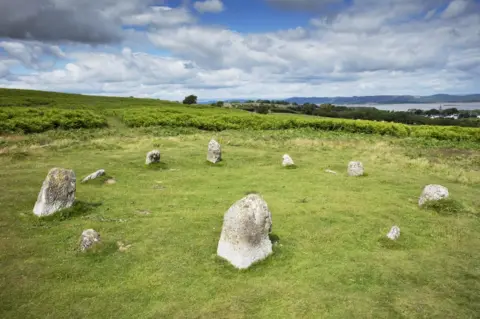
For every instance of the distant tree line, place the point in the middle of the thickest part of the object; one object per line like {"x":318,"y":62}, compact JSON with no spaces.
{"x":414,"y":116}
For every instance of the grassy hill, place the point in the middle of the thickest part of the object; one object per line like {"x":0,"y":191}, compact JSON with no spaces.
{"x":330,"y":258}
{"x":33,"y":112}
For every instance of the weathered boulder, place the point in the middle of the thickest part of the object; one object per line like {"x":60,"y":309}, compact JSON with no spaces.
{"x":153,"y":157}
{"x":94,"y":175}
{"x":355,"y":169}
{"x":287,"y":160}
{"x":57,"y":192}
{"x":432,"y":192}
{"x":214,"y":154}
{"x":88,"y":239}
{"x":394,"y":233}
{"x":244,"y":238}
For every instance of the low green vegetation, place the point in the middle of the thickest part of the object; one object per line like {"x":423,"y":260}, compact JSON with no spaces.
{"x":213,"y":119}
{"x":66,"y":111}
{"x":160,"y":226}
{"x":35,"y":120}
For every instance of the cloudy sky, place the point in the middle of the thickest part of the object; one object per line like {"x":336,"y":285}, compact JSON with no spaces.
{"x":219,"y":49}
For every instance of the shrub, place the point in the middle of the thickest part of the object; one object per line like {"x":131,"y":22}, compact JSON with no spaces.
{"x":214,"y":119}
{"x":36,"y":120}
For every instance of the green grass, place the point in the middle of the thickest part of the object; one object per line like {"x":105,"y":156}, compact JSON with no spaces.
{"x":330,"y":260}
{"x":23,"y":111}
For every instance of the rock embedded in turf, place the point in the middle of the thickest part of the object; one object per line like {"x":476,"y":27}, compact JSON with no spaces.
{"x":214,"y":154}
{"x":244,"y":239}
{"x":287,"y":160}
{"x":394,"y":233}
{"x":355,"y":169}
{"x":330,"y":171}
{"x":433,"y":192}
{"x":89,"y":238}
{"x":110,"y":181}
{"x":94,"y":175}
{"x":153,"y":157}
{"x":57,"y":192}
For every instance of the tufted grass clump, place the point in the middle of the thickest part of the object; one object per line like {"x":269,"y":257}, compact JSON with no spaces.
{"x":445,"y":206}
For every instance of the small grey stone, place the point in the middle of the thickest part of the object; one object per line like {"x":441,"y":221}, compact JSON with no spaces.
{"x":88,"y":239}
{"x":214,"y":154}
{"x":94,"y":175}
{"x":153,"y":157}
{"x":287,"y":160}
{"x":394,"y":233}
{"x":244,"y":238}
{"x":355,"y":169}
{"x":57,"y":192}
{"x":433,"y":192}
{"x":330,"y":171}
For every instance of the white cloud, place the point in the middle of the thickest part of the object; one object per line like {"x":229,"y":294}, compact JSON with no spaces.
{"x":213,"y":6}
{"x":370,"y":47}
{"x":455,"y":8}
{"x":160,"y":16}
{"x":32,"y":54}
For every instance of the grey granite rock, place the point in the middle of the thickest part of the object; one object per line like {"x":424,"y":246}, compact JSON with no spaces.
{"x":244,"y":239}
{"x":57,"y":192}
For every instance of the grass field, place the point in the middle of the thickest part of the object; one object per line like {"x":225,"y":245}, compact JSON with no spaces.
{"x":34,"y":112}
{"x":330,"y":260}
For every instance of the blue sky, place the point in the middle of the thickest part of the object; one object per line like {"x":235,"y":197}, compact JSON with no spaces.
{"x":241,"y":49}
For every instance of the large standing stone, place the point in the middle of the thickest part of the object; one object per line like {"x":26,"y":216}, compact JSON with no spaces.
{"x":244,"y":238}
{"x":214,"y":154}
{"x":355,"y":169}
{"x":57,"y":192}
{"x":94,"y":175}
{"x":394,"y":233}
{"x":432,"y":193}
{"x":88,"y":239}
{"x":153,"y":157}
{"x":287,"y":160}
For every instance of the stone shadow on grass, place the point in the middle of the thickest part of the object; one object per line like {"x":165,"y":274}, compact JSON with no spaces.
{"x":388,"y":243}
{"x":98,"y":252}
{"x":79,"y":208}
{"x":218,"y":164}
{"x":274,"y":238}
{"x":157,"y":166}
{"x":447,"y":207}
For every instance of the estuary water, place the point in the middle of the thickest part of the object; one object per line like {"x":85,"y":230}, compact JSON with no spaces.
{"x":422,"y":106}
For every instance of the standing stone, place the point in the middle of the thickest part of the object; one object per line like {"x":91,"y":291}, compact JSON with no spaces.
{"x":287,"y":160}
{"x":244,"y":238}
{"x":355,"y":169}
{"x":57,"y":192}
{"x":88,"y":239}
{"x":214,"y":154}
{"x":432,"y":193}
{"x":153,"y":157}
{"x":394,"y":233}
{"x":94,"y":175}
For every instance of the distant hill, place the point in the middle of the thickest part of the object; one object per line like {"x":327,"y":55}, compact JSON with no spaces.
{"x":388,"y":99}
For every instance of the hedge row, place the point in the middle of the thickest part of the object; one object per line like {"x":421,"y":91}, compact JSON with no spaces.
{"x":35,"y":120}
{"x":154,"y":117}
